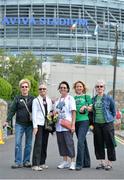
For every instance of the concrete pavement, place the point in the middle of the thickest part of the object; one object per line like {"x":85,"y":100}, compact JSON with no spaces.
{"x":7,"y":157}
{"x":120,"y":133}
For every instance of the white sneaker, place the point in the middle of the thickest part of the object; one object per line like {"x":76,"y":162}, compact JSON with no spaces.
{"x":72,"y":166}
{"x":37,"y":168}
{"x":63,"y":165}
{"x":44,"y":166}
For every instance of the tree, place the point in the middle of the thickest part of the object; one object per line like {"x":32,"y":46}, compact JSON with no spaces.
{"x":78,"y":58}
{"x":20,"y":67}
{"x":3,"y":63}
{"x":58,"y":58}
{"x":5,"y":89}
{"x":95,"y":61}
{"x":34,"y":85}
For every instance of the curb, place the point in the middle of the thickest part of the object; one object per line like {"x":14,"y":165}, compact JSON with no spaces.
{"x":119,"y":135}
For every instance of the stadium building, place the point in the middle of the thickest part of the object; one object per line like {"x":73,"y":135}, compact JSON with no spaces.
{"x":90,"y":28}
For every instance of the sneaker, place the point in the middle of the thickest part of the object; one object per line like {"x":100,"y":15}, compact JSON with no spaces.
{"x":15,"y":166}
{"x":108,"y":167}
{"x":100,"y":166}
{"x":78,"y":168}
{"x":72,"y":166}
{"x":27,"y":164}
{"x":63,"y":165}
{"x":37,"y":168}
{"x":44,"y":166}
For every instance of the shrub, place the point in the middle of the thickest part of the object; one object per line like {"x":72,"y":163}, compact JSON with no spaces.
{"x":34,"y":85}
{"x":5,"y":89}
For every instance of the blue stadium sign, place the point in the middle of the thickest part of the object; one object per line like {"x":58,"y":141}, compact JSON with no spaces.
{"x":43,"y":21}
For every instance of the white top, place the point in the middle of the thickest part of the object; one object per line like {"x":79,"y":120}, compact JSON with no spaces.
{"x":37,"y":114}
{"x":64,"y":107}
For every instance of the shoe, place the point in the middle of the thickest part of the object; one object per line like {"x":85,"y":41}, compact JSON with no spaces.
{"x":27,"y":164}
{"x":108,"y":167}
{"x":37,"y":168}
{"x":78,"y":168}
{"x":15,"y":166}
{"x":72,"y":166}
{"x":63,"y":165}
{"x":44,"y":166}
{"x":86,"y":166}
{"x":100,"y":166}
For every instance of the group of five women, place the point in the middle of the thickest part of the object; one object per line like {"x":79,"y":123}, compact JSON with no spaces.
{"x":74,"y":109}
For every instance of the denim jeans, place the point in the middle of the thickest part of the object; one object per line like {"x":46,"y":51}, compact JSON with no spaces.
{"x":83,"y":157}
{"x":19,"y":132}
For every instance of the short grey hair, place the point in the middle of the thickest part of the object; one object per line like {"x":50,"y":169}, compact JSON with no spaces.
{"x":100,"y":81}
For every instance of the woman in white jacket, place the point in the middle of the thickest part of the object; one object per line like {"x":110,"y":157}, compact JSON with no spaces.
{"x":42,"y":105}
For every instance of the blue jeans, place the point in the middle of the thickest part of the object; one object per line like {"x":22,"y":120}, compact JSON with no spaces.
{"x":83,"y":157}
{"x":19,"y":132}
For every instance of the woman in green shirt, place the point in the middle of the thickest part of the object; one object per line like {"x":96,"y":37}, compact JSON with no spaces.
{"x":83,"y":105}
{"x":104,"y":115}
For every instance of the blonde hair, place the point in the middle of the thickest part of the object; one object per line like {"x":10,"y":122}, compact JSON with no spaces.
{"x":25,"y":81}
{"x":84,"y":86}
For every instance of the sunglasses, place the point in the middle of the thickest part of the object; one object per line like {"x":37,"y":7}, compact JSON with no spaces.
{"x":99,"y":86}
{"x":24,"y":86}
{"x":63,"y":87}
{"x":40,"y":89}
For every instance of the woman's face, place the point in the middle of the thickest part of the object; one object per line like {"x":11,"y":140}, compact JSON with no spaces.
{"x":79,"y":88}
{"x":24,"y":89}
{"x":63,"y":89}
{"x":42,"y":90}
{"x":100,"y":89}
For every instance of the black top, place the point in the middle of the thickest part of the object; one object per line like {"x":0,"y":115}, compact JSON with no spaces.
{"x":45,"y":105}
{"x":18,"y":108}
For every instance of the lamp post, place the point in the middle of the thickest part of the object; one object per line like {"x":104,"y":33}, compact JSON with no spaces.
{"x":115,"y":59}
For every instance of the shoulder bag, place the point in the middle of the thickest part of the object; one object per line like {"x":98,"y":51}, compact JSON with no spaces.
{"x":30,"y":115}
{"x":48,"y":126}
{"x":90,"y":114}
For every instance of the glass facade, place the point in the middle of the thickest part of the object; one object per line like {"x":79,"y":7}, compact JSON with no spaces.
{"x":43,"y":26}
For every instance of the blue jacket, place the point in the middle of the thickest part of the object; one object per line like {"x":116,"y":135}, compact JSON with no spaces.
{"x":108,"y":107}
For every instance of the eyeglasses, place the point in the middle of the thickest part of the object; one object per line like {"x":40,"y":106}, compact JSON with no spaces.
{"x":99,"y":86}
{"x":24,"y":86}
{"x":63,"y":87}
{"x":40,"y":89}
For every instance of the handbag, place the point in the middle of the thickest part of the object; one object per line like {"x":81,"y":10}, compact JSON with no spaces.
{"x":90,"y":115}
{"x":67,"y":124}
{"x":30,"y":114}
{"x":49,"y":125}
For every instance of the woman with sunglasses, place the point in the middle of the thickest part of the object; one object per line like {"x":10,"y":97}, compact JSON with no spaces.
{"x":42,"y":106}
{"x":66,"y":109}
{"x":22,"y":107}
{"x":104,"y":115}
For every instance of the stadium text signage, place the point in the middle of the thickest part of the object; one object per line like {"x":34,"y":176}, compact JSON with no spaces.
{"x":43,"y":21}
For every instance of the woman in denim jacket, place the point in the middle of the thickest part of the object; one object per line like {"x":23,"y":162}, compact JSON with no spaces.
{"x":104,"y":114}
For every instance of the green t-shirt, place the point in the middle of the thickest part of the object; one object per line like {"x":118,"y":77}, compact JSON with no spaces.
{"x":83,"y":100}
{"x":99,"y":118}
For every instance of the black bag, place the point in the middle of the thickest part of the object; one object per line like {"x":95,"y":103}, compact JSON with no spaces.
{"x":49,"y":126}
{"x":90,"y":115}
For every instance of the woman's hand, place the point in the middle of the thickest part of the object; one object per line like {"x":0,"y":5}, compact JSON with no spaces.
{"x":5,"y":124}
{"x":35,"y":131}
{"x":83,"y":108}
{"x":73,"y":127}
{"x":89,"y":108}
